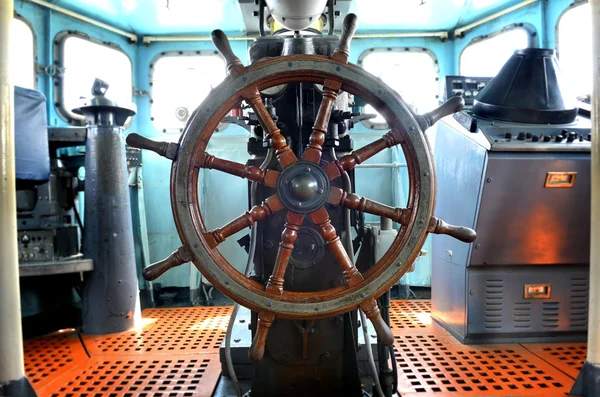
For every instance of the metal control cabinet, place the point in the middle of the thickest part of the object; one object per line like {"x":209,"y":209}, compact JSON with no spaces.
{"x":525,"y":278}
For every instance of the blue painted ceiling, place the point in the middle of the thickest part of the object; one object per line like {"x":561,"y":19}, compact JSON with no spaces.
{"x":162,"y":17}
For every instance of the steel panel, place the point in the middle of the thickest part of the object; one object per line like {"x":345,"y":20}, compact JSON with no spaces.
{"x":522,"y":222}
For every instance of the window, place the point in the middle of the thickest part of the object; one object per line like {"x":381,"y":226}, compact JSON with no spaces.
{"x":575,"y":49}
{"x":22,"y":57}
{"x":180,"y":82}
{"x":83,"y":60}
{"x":412,"y":72}
{"x":486,"y":57}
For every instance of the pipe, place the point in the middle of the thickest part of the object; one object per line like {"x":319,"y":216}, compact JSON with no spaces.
{"x":151,"y":39}
{"x":460,"y":32}
{"x":12,"y":367}
{"x":236,"y":307}
{"x":347,"y":186}
{"x":382,"y":165}
{"x":593,"y":354}
{"x":131,"y":36}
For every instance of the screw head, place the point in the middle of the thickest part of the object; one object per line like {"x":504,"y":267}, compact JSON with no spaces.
{"x":269,"y":304}
{"x":298,"y":204}
{"x":307,"y":169}
{"x":320,"y":191}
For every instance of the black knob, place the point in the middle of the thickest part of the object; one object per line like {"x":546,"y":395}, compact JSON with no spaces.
{"x":547,"y":138}
{"x":564,"y":133}
{"x":528,"y":135}
{"x":589,"y":137}
{"x":559,"y":138}
{"x":508,"y":135}
{"x":580,"y":138}
{"x":521,"y":136}
{"x":535,"y":138}
{"x":570,"y":139}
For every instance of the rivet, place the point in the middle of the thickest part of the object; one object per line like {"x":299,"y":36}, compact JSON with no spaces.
{"x":421,"y":221}
{"x":290,"y":64}
{"x":478,"y":246}
{"x":244,"y":79}
{"x":338,"y":69}
{"x":398,"y":264}
{"x":298,"y":204}
{"x":196,"y":245}
{"x":307,"y":169}
{"x":426,"y":173}
{"x":489,"y":180}
{"x":412,"y":128}
{"x":363,"y":295}
{"x":320,"y":191}
{"x":269,"y":304}
{"x":316,"y":309}
{"x":226,"y":282}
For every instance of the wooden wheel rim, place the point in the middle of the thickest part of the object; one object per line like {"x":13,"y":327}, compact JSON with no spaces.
{"x":184,"y":187}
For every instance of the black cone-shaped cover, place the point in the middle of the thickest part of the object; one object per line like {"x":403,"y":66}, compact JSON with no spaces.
{"x":527,"y":90}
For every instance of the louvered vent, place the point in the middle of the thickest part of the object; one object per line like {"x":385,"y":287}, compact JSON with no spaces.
{"x":522,"y":315}
{"x":493,"y":304}
{"x":550,"y":314}
{"x":578,"y":303}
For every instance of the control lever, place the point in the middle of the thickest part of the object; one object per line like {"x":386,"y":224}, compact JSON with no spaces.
{"x":342,"y":52}
{"x":451,"y":106}
{"x":177,"y":258}
{"x":165,"y":149}
{"x":462,"y":233}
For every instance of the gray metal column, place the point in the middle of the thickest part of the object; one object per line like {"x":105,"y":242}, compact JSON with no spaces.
{"x":588,"y":381}
{"x":12,"y":368}
{"x":110,"y":293}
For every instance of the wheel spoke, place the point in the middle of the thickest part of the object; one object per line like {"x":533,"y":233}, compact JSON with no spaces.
{"x":257,"y":349}
{"x":349,"y":161}
{"x":259,"y":212}
{"x":250,"y":172}
{"x":350,"y":200}
{"x":351,"y":273}
{"x":288,"y":238}
{"x":321,"y":218}
{"x":284,"y":154}
{"x":314,"y":149}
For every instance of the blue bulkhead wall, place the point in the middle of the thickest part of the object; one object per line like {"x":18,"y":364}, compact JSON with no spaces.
{"x":224,"y":197}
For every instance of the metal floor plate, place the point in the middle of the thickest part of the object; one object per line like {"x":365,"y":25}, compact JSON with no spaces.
{"x":175,"y":353}
{"x":50,"y":356}
{"x":150,"y":375}
{"x":568,"y":357}
{"x":168,"y":331}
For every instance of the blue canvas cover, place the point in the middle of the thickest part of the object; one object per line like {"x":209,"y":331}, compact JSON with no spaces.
{"x":32,"y":157}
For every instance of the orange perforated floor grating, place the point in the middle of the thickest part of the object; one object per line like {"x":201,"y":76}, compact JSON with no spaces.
{"x":568,"y":357}
{"x":175,"y":353}
{"x":182,"y":330}
{"x":52,"y":355}
{"x":151,"y":375}
{"x":441,"y":366}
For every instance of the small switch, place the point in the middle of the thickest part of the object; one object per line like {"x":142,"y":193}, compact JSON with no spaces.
{"x":521,"y":136}
{"x":564,"y":133}
{"x":528,"y":135}
{"x":558,"y":138}
{"x":535,"y":138}
{"x":547,"y":138}
{"x":508,"y":135}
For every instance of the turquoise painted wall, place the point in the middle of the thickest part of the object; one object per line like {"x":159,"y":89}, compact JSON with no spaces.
{"x":231,"y":143}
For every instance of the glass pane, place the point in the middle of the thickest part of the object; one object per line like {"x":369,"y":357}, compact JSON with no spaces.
{"x":412,"y":74}
{"x":486,"y":58}
{"x":21,"y":55}
{"x":575,"y":49}
{"x":85,"y":61}
{"x":180,"y":84}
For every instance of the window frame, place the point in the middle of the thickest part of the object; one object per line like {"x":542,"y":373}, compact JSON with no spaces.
{"x":533,"y":38}
{"x":59,"y":65}
{"x":170,"y":54}
{"x":383,"y":126}
{"x":570,"y":7}
{"x":21,"y":18}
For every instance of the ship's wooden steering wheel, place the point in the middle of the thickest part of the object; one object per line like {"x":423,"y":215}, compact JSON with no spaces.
{"x":303,"y":187}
